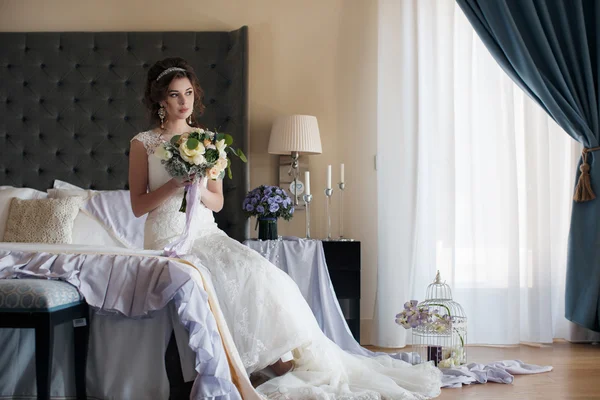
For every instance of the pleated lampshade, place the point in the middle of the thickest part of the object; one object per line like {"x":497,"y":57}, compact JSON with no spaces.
{"x":292,"y":133}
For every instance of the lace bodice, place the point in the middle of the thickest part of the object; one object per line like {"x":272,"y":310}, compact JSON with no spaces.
{"x":165,"y":223}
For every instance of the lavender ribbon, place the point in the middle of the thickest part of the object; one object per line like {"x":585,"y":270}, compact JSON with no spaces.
{"x":182,"y":244}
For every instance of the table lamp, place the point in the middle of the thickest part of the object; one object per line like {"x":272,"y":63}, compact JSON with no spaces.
{"x":294,"y":135}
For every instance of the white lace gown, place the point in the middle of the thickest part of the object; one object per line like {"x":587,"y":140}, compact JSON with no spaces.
{"x":268,"y":316}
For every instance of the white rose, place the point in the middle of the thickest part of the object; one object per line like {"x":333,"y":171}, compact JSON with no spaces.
{"x":198,"y":159}
{"x":221,"y":147}
{"x":162,"y":153}
{"x":188,"y":154}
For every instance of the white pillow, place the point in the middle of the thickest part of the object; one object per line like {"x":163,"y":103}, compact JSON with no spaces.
{"x":58,"y":184}
{"x":112,"y":208}
{"x":7,"y":193}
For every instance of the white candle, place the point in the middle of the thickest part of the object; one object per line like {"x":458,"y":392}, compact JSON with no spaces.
{"x":307,"y":183}
{"x":342,"y":173}
{"x":329,"y":177}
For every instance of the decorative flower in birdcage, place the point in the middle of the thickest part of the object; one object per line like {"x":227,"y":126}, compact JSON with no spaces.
{"x":439,"y":326}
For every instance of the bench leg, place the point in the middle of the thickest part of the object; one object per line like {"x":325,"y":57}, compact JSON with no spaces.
{"x":81,"y":349}
{"x":44,"y":343}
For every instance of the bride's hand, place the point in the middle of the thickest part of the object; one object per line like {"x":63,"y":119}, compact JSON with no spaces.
{"x":183,"y":181}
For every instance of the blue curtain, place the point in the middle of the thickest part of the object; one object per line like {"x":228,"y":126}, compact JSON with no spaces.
{"x":550,"y":49}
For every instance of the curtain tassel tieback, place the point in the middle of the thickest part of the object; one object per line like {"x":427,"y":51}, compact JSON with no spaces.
{"x":583,"y":190}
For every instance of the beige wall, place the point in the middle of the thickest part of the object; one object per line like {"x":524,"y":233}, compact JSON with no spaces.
{"x":314,"y":57}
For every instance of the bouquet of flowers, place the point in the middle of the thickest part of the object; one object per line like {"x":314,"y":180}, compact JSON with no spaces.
{"x":414,"y":315}
{"x":433,"y":321}
{"x":199,"y":153}
{"x":268,"y":202}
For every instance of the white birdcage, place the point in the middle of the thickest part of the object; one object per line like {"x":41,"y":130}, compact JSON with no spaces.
{"x":444,"y":340}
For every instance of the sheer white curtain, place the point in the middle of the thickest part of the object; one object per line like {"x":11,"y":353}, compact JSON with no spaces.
{"x":474,"y":180}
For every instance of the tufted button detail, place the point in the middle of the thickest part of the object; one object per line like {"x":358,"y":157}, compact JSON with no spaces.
{"x":92,"y":82}
{"x":92,"y":118}
{"x":77,"y":65}
{"x":110,"y":100}
{"x":42,"y":65}
{"x":92,"y":153}
{"x":108,"y":170}
{"x":163,"y":47}
{"x":8,"y":101}
{"x":26,"y":49}
{"x":127,"y":153}
{"x":92,"y":186}
{"x":40,"y":135}
{"x":145,"y":65}
{"x":24,"y":118}
{"x":25,"y":83}
{"x":58,"y":118}
{"x":60,"y":47}
{"x":128,"y":48}
{"x":227,"y":119}
{"x":75,"y":136}
{"x":109,"y":136}
{"x":111,"y":66}
{"x":41,"y":100}
{"x":8,"y":66}
{"x":57,"y":153}
{"x":75,"y":100}
{"x":59,"y":83}
{"x":75,"y":169}
{"x":196,"y":48}
{"x":212,"y":101}
{"x":126,"y":118}
{"x":213,"y":66}
{"x":127,"y":82}
{"x":40,"y":171}
{"x":95,"y":48}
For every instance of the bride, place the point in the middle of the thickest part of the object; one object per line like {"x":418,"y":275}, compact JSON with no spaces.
{"x":270,"y":322}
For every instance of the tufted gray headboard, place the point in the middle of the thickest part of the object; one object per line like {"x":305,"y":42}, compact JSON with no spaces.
{"x":70,"y":103}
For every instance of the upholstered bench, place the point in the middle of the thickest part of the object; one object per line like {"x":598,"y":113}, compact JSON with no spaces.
{"x":42,"y":304}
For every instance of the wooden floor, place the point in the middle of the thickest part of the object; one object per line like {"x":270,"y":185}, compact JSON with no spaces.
{"x":576,"y":373}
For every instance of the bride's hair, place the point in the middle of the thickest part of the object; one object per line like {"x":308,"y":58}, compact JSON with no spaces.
{"x":156,"y":90}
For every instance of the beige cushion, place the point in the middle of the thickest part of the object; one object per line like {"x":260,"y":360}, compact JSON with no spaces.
{"x":86,"y":229}
{"x":42,"y":220}
{"x":7,"y":193}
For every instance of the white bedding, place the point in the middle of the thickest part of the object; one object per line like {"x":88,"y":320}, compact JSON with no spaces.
{"x":126,"y":356}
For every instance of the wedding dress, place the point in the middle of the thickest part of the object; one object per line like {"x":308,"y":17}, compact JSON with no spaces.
{"x":268,"y":317}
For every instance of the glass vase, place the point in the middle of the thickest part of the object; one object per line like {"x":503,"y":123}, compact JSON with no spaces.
{"x":267,"y":228}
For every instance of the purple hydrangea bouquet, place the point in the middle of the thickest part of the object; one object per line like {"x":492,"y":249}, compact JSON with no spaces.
{"x":267,"y":204}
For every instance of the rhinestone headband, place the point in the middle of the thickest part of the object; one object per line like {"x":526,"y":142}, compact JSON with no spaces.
{"x":168,"y":71}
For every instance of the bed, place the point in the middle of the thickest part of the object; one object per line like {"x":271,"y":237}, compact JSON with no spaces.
{"x":69,"y":104}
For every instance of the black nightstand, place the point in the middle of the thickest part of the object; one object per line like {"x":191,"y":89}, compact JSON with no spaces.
{"x":343,"y":263}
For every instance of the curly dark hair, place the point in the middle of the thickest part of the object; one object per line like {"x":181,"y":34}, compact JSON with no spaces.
{"x":156,"y":91}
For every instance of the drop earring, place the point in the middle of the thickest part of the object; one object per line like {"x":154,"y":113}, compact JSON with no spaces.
{"x":190,"y":120}
{"x":162,"y":113}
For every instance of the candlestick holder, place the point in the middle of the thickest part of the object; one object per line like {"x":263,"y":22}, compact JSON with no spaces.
{"x":307,"y":199}
{"x":328,"y":194}
{"x":342,"y":186}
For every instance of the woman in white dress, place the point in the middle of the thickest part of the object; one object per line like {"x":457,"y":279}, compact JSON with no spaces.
{"x":263,"y":307}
